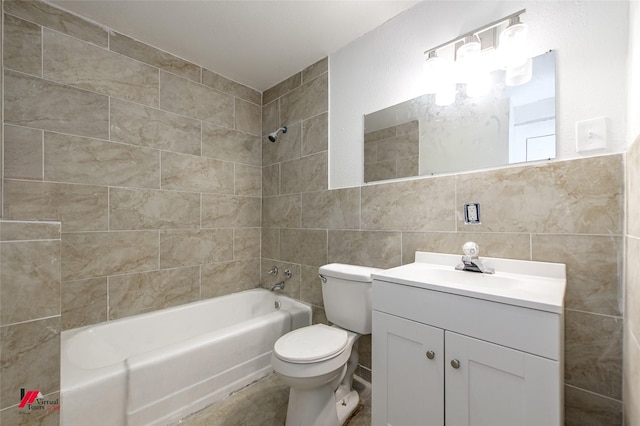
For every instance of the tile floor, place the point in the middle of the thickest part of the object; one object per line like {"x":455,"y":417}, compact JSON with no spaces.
{"x":264,"y":403}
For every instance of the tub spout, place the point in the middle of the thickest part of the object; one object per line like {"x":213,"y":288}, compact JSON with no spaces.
{"x":278,"y":286}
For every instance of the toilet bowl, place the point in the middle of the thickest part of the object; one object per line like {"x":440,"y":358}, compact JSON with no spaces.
{"x":318,"y":361}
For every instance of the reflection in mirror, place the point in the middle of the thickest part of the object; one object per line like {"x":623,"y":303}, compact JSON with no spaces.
{"x":508,"y":125}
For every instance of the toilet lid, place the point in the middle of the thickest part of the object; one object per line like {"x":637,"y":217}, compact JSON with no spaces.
{"x":311,"y":344}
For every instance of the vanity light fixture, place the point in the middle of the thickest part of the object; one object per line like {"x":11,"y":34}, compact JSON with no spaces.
{"x":470,"y":58}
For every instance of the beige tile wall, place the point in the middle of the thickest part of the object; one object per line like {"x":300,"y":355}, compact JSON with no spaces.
{"x":569,"y":212}
{"x":151,"y":163}
{"x":632,"y":291}
{"x":392,"y":152}
{"x":30,"y":321}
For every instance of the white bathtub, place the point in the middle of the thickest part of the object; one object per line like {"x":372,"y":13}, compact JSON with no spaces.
{"x":156,"y":368}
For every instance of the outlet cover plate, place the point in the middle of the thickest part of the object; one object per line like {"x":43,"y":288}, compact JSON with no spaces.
{"x":472,"y":213}
{"x":591,"y":134}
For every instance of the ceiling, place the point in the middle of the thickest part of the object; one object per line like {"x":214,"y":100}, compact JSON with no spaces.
{"x":256,"y":43}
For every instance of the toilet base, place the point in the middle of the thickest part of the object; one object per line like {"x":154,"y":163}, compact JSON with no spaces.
{"x":318,"y":407}
{"x":346,"y":406}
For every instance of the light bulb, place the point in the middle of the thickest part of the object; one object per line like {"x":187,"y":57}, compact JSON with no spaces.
{"x":514,"y":52}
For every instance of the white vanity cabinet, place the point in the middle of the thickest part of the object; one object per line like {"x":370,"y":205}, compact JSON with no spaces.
{"x":445,"y":356}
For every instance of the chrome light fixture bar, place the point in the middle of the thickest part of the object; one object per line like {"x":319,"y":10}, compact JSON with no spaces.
{"x":470,"y":58}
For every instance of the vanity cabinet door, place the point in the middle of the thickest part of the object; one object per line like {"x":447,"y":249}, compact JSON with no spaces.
{"x":491,"y":385}
{"x":408,"y":372}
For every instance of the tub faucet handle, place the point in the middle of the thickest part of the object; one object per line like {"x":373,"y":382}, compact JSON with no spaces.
{"x":274,"y":270}
{"x":288,"y":273}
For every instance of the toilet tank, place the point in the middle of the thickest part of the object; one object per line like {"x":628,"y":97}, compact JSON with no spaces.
{"x":346,"y":292}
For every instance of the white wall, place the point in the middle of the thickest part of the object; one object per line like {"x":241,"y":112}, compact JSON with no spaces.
{"x":384,"y":67}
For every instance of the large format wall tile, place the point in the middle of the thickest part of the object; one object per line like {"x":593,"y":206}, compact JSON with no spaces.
{"x":34,"y":102}
{"x":43,"y":14}
{"x":285,"y":86}
{"x":270,"y":119}
{"x":29,"y":231}
{"x":225,"y":85}
{"x":78,"y":207}
{"x":367,"y":248}
{"x":248,"y":180}
{"x":222,"y":211}
{"x":593,"y":263}
{"x":271,"y":180}
{"x":150,"y":55}
{"x":246,"y":243}
{"x":30,"y":279}
{"x":153,"y":209}
{"x":584,"y":408}
{"x":580,"y":196}
{"x":303,"y":246}
{"x":22,"y":153}
{"x":230,"y":145}
{"x":138,"y":293}
{"x":74,"y":159}
{"x":222,"y":278}
{"x":415,"y":205}
{"x":283,"y":211}
{"x":306,"y":101}
{"x":305,"y":174}
{"x":32,"y":351}
{"x":195,"y":100}
{"x":593,"y":353}
{"x":73,"y":62}
{"x":248,"y":116}
{"x":140,"y":125}
{"x":186,"y":248}
{"x":83,"y":302}
{"x":270,"y":243}
{"x":22,"y":46}
{"x":191,"y":173}
{"x":96,"y":254}
{"x":336,"y":209}
{"x":315,"y":134}
{"x":315,"y":70}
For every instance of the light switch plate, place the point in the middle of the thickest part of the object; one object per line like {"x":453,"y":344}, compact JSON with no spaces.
{"x":591,"y":134}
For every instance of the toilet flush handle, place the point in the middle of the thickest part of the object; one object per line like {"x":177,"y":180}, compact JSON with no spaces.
{"x":323,"y":278}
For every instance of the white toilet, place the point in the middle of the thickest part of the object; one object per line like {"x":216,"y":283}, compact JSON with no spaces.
{"x":318,"y":361}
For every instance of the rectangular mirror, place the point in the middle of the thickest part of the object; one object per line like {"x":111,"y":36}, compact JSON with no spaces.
{"x":506,"y":126}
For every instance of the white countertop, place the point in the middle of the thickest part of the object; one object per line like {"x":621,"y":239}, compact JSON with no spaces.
{"x":535,"y":285}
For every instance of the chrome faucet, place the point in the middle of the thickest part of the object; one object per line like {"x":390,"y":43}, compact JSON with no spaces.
{"x":278,"y":286}
{"x":470,"y":260}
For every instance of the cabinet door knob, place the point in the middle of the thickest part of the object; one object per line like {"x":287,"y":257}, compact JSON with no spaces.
{"x":455,"y":363}
{"x":431,"y":354}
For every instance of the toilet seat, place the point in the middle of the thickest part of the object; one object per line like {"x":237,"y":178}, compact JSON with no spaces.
{"x":311,"y":344}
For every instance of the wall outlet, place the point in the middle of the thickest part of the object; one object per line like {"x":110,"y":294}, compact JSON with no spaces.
{"x":472,"y":213}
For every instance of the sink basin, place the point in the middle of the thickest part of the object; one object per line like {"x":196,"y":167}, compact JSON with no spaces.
{"x":536,"y":285}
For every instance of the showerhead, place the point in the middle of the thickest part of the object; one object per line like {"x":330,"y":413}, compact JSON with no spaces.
{"x":273,"y":136}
